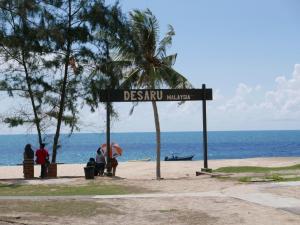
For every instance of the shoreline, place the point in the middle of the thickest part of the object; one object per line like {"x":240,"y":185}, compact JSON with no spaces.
{"x":147,"y":169}
{"x":201,"y":160}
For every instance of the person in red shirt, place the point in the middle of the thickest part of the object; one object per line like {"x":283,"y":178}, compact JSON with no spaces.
{"x":42,"y":157}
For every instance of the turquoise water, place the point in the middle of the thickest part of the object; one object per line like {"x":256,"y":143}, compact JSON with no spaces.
{"x":221,"y":145}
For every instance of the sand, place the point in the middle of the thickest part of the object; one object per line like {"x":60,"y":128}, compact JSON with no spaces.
{"x":146,"y":170}
{"x":180,"y":198}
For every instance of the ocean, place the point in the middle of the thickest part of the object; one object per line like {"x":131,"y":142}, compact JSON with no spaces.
{"x":221,"y":145}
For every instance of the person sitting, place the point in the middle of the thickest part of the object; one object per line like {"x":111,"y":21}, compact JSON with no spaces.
{"x":100,"y":163}
{"x":91,"y":162}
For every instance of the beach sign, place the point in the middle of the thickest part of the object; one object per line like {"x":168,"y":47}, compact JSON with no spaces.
{"x":148,"y":95}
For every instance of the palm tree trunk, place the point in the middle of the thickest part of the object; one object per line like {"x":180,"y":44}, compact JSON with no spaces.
{"x":157,"y":127}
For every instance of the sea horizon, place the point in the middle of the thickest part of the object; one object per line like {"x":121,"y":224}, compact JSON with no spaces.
{"x":175,"y":131}
{"x":79,"y":147}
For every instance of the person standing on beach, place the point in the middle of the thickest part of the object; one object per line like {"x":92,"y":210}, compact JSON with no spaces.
{"x":42,"y":156}
{"x":114,"y":164}
{"x":100,"y":163}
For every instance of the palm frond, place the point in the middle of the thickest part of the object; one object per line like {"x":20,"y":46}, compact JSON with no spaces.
{"x":166,"y":41}
{"x":151,"y":67}
{"x":134,"y":104}
{"x":173,"y":79}
{"x":169,"y":60}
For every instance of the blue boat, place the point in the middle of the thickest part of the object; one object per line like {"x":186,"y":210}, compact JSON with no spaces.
{"x":176,"y":157}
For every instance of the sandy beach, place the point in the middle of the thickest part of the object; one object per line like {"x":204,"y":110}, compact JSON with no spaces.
{"x":180,"y":198}
{"x":146,"y":170}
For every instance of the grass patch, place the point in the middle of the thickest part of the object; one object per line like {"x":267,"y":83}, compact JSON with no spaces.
{"x":279,"y":178}
{"x":245,"y":179}
{"x":291,"y":179}
{"x":261,"y":174}
{"x":255,"y":169}
{"x":67,"y":190}
{"x":66,"y":208}
{"x":274,"y":177}
{"x":268,"y":178}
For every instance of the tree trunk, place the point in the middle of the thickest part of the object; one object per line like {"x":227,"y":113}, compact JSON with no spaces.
{"x":157,"y":127}
{"x":63,"y":89}
{"x":36,"y":117}
{"x":61,"y":111}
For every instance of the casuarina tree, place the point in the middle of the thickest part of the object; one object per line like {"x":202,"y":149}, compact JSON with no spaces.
{"x":67,"y":38}
{"x":21,"y":50}
{"x":79,"y":51}
{"x":107,"y":72}
{"x":110,"y":29}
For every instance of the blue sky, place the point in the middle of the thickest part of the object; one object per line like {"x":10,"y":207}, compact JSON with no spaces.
{"x":238,"y":48}
{"x":223,"y":43}
{"x":247,"y":51}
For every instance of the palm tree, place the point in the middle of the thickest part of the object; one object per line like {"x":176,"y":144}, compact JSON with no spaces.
{"x":151,"y":67}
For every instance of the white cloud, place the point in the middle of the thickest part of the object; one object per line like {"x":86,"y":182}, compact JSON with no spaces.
{"x":254,"y":108}
{"x":251,"y":107}
{"x":284,"y":100}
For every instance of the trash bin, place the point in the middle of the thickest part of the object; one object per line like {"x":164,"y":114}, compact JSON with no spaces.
{"x":89,"y":172}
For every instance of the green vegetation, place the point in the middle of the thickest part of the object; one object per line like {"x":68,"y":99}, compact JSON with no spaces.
{"x":260,"y":174}
{"x":245,"y":179}
{"x":291,"y":179}
{"x":66,"y":190}
{"x":59,"y":54}
{"x":268,"y":178}
{"x":255,"y":169}
{"x":274,"y":177}
{"x":49,"y":48}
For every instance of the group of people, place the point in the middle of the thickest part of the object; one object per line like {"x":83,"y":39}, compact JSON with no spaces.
{"x":99,"y":163}
{"x":42,"y":157}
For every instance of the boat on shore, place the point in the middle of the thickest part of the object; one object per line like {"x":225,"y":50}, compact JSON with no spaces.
{"x":176,"y":157}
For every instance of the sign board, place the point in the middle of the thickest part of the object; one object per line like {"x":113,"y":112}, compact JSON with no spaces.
{"x":148,"y":95}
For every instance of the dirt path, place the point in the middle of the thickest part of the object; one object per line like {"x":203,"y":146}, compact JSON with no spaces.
{"x":249,"y":193}
{"x":179,"y":199}
{"x":193,"y":200}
